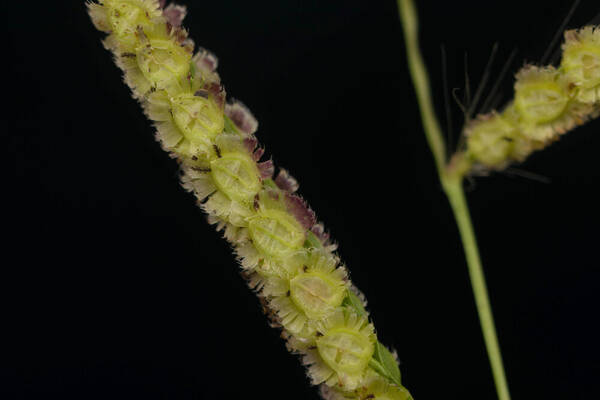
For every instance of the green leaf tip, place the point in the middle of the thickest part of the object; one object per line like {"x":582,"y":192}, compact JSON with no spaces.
{"x":312,"y":241}
{"x":385,"y":364}
{"x":230,"y":126}
{"x":354,"y":303}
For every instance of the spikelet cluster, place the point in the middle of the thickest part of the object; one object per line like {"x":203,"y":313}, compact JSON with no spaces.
{"x":285,"y":254}
{"x":548,"y":102}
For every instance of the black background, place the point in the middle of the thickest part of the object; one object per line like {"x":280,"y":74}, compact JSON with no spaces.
{"x":114,"y":286}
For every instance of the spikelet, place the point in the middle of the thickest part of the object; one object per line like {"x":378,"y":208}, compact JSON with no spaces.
{"x":121,"y":18}
{"x":339,"y":353}
{"x":312,"y":292}
{"x":544,"y":105}
{"x":581,"y":62}
{"x":490,"y":139}
{"x":187,"y":123}
{"x":285,"y":254}
{"x":374,"y":387}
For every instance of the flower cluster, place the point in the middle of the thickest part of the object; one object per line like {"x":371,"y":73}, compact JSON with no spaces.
{"x":284,"y":252}
{"x":549,"y":101}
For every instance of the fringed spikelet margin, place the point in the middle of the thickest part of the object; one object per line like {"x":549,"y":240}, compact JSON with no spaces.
{"x":548,"y":102}
{"x":285,"y":254}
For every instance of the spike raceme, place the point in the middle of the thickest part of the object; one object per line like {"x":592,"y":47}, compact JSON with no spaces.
{"x":284,"y":252}
{"x":548,"y":102}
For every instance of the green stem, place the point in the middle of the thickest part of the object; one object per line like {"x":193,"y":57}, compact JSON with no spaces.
{"x":456,"y":197}
{"x":433,"y":133}
{"x":452,"y":184}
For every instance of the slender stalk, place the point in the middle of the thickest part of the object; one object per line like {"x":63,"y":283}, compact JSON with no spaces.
{"x":452,"y":184}
{"x":456,"y":197}
{"x":410,"y":23}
